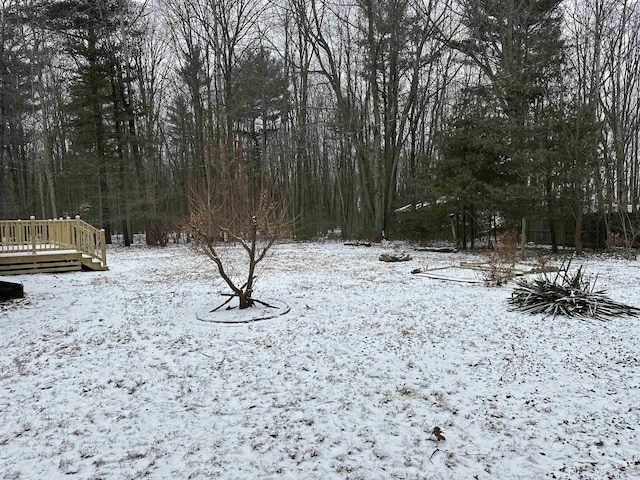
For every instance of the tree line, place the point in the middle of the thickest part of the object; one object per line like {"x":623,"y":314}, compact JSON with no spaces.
{"x":488,"y":110}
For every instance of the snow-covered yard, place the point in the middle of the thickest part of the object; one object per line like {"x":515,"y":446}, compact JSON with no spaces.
{"x":111,"y":375}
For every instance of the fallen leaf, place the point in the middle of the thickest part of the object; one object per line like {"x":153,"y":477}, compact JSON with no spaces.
{"x":437,"y":432}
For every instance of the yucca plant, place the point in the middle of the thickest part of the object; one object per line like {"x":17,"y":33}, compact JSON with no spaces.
{"x":572,"y":294}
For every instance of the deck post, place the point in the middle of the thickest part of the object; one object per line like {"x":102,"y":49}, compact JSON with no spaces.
{"x":103,"y":246}
{"x":78,"y":240}
{"x":65,"y":231}
{"x":32,"y":218}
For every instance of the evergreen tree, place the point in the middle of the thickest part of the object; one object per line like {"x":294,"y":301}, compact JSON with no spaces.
{"x":16,"y":185}
{"x":475,"y":173}
{"x":258,"y":102}
{"x":100,"y":109}
{"x":517,"y":45}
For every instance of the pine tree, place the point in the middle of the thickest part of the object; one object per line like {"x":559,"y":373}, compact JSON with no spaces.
{"x":16,"y":185}
{"x":100,"y":108}
{"x":517,"y":46}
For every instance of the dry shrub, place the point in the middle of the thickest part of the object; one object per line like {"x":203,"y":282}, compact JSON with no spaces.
{"x":615,"y":240}
{"x":507,"y":246}
{"x":158,"y":237}
{"x":542,"y":262}
{"x":502,"y":260}
{"x":224,"y":210}
{"x":620,"y":245}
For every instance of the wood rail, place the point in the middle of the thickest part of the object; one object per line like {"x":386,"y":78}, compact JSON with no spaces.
{"x":33,"y":236}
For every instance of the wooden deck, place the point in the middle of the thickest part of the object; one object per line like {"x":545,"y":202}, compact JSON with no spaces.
{"x":39,"y":246}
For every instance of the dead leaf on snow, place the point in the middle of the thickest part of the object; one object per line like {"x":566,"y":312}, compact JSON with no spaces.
{"x":437,"y":432}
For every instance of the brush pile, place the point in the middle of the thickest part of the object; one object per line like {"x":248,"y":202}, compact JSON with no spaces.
{"x":572,"y":294}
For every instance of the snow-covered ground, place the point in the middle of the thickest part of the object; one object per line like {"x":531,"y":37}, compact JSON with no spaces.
{"x":111,"y":375}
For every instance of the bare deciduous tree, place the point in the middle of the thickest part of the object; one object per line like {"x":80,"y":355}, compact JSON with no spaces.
{"x":222,"y":212}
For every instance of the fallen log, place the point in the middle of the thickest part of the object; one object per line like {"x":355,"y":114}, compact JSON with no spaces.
{"x":437,"y":249}
{"x":449,"y":279}
{"x":517,"y":270}
{"x":392,"y":257}
{"x":357,"y":244}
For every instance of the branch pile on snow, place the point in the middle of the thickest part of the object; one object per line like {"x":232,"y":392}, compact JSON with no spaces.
{"x":569,"y":294}
{"x":395,"y":257}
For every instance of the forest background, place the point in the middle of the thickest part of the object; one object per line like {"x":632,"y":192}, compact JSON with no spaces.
{"x":370,"y":117}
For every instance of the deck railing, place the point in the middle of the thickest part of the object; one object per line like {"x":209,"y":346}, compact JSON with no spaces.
{"x":34,"y":236}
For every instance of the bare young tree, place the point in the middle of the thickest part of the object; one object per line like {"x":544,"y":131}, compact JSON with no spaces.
{"x":223,"y":211}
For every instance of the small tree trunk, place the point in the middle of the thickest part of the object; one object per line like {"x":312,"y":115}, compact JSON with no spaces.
{"x":552,"y":232}
{"x":245,"y":300}
{"x":523,"y":237}
{"x":464,"y":227}
{"x":578,"y":233}
{"x":472,"y":228}
{"x":245,"y":295}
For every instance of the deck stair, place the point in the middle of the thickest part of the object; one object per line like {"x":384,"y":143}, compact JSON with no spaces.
{"x":60,"y":245}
